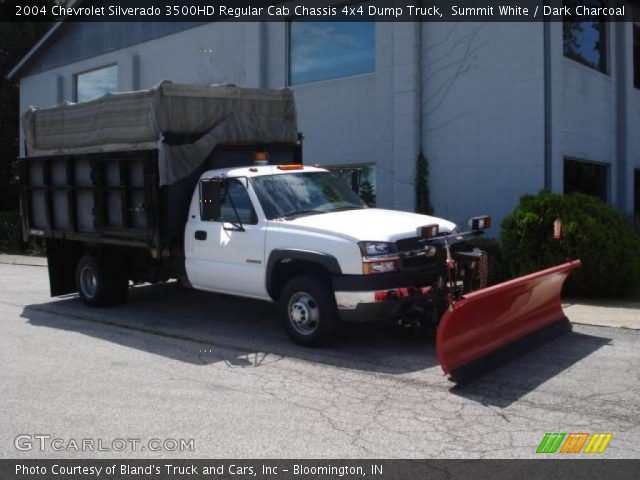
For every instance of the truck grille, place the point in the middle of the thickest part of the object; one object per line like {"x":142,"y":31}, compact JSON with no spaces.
{"x":416,"y":260}
{"x":412,"y":254}
{"x":409,"y":244}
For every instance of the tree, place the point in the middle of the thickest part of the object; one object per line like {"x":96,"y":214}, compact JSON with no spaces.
{"x":423,"y":200}
{"x":16,"y":38}
{"x":367,"y":193}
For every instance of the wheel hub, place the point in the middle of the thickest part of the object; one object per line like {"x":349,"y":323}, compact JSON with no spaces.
{"x":88,"y":282}
{"x":300,"y":313}
{"x":303,"y":313}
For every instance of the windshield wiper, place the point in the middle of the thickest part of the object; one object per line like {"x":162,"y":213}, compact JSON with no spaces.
{"x":299,"y":213}
{"x":346,"y":207}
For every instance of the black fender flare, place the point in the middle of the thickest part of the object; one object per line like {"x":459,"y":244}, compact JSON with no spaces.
{"x":277,"y":255}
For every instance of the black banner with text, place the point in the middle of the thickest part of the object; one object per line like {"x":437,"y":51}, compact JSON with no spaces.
{"x":158,"y":469}
{"x":319,"y":10}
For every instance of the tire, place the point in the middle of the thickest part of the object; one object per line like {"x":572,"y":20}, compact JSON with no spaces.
{"x":98,"y":285}
{"x":92,"y":282}
{"x":308,"y":311}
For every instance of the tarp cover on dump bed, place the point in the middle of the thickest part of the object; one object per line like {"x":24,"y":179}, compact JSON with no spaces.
{"x":207,"y":115}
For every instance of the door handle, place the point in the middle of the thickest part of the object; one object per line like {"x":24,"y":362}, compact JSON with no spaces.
{"x":201,"y":235}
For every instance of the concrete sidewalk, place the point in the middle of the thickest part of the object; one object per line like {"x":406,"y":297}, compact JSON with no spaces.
{"x":614,"y":313}
{"x":29,"y":260}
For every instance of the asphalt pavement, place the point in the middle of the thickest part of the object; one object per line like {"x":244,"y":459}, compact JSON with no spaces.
{"x":219,"y":373}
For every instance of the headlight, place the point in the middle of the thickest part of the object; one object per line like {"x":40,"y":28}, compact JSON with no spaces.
{"x":374,"y":249}
{"x":378,"y":257}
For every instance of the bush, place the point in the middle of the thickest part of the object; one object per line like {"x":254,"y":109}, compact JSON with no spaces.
{"x":10,"y":231}
{"x":591,"y":230}
{"x":498,"y":269}
{"x":11,"y":236}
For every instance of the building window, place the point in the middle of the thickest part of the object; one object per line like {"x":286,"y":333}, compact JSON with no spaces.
{"x":585,"y":38}
{"x":361,"y":179}
{"x":586,"y":177}
{"x":326,"y":50}
{"x":636,"y":47}
{"x":92,"y":84}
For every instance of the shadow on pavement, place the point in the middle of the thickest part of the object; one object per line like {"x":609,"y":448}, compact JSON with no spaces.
{"x":250,"y":327}
{"x":506,"y":385}
{"x":246,"y":333}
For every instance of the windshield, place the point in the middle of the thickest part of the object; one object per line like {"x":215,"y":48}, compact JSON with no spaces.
{"x":291,"y":195}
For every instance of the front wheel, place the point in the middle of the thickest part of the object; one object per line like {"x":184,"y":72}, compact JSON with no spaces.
{"x":308,"y":311}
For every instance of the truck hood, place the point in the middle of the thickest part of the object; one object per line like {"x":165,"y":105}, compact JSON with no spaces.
{"x":373,"y":224}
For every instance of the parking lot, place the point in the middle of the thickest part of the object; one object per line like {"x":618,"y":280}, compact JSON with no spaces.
{"x":180,"y":364}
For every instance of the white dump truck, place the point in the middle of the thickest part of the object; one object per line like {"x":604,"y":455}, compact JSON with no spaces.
{"x":206,"y":185}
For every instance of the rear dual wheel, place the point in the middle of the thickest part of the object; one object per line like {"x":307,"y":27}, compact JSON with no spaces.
{"x":99,"y":285}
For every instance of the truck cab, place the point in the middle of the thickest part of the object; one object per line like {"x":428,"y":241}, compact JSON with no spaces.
{"x":298,"y":236}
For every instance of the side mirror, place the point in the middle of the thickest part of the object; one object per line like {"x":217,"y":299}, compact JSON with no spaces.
{"x":211,"y":195}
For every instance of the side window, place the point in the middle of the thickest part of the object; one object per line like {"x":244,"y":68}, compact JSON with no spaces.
{"x":213,"y":195}
{"x":237,"y":192}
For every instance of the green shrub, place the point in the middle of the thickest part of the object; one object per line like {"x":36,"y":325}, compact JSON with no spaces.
{"x":591,"y":230}
{"x":498,"y":269}
{"x":10,"y":231}
{"x":11,"y":236}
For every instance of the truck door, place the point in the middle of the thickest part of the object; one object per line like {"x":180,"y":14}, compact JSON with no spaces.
{"x":224,"y":254}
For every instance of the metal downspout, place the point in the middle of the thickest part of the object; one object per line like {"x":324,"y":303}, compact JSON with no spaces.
{"x":548,"y":106}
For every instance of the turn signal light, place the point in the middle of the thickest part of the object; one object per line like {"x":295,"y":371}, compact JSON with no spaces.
{"x":374,"y":267}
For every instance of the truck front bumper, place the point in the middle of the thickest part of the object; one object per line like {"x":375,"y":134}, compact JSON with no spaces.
{"x":379,"y":298}
{"x":379,"y":306}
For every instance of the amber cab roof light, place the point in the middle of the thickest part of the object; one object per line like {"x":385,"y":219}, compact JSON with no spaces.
{"x":261,"y":158}
{"x":294,"y":166}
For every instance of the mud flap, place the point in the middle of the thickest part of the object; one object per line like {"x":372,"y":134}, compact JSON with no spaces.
{"x":489,"y":325}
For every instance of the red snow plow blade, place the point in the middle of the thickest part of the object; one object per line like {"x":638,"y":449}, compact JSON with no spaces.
{"x":487,"y":321}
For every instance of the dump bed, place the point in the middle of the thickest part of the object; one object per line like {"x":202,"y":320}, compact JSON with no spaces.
{"x":122,"y":168}
{"x":116,"y":197}
{"x":107,"y":197}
